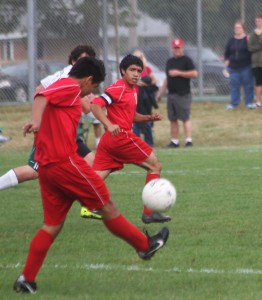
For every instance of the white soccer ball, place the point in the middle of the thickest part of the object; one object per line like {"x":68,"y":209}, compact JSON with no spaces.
{"x":159,"y":195}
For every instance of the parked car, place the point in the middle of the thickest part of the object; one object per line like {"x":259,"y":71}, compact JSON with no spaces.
{"x":215,"y":77}
{"x":14,"y":78}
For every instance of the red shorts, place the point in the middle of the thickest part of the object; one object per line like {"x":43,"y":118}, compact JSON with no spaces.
{"x":61,"y":184}
{"x":115,"y":151}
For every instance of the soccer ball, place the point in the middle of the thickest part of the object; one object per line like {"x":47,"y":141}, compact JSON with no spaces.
{"x":159,"y":195}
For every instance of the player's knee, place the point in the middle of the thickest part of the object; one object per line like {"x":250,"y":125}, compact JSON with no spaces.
{"x":109,"y":211}
{"x":157,"y":167}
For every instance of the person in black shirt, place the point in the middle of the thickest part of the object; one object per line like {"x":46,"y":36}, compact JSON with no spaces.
{"x":179,"y":70}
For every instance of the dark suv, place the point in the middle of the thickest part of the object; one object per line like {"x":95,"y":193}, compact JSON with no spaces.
{"x":215,"y":78}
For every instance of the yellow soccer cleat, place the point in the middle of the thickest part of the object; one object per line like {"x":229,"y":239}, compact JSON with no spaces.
{"x":86,"y":213}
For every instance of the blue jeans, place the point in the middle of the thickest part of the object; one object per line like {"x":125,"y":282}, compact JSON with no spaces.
{"x":146,"y":129}
{"x":241,"y":77}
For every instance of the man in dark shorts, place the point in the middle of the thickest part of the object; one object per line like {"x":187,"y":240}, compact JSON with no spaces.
{"x":179,"y":70}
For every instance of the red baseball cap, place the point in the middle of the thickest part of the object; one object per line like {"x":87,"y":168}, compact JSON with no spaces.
{"x":177,"y":43}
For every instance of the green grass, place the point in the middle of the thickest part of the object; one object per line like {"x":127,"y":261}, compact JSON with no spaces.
{"x":214,"y":249}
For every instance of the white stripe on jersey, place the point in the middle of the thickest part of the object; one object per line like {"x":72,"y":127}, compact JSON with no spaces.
{"x":87,"y":180}
{"x":107,"y":98}
{"x":76,"y":97}
{"x":62,"y":87}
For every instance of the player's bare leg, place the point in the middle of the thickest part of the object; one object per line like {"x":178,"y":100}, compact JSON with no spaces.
{"x":17,"y":175}
{"x":174,"y":131}
{"x":258,"y":90}
{"x":97,"y":132}
{"x":188,"y":133}
{"x":145,"y":245}
{"x":25,"y":173}
{"x":85,"y":212}
{"x":89,"y":158}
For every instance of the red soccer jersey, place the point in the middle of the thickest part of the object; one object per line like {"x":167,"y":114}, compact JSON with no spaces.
{"x":56,"y":138}
{"x":120,"y":101}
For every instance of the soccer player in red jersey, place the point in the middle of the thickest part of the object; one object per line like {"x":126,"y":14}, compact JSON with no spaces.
{"x":119,"y":145}
{"x":64,"y":176}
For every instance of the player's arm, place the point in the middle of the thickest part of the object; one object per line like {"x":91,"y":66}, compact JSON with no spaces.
{"x":86,"y":103}
{"x":38,"y":109}
{"x":139,"y":118}
{"x":98,"y":112}
{"x":153,"y":79}
{"x":39,"y":88}
{"x":254,"y":43}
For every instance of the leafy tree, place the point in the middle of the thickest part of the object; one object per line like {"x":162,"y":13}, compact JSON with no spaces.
{"x":11,"y":12}
{"x":218,"y":17}
{"x":78,"y":21}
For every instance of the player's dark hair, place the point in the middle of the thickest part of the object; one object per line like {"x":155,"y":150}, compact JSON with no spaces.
{"x":128,"y":61}
{"x":89,"y":66}
{"x":78,"y":51}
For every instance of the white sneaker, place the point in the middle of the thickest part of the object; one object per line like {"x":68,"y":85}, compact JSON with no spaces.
{"x":251,"y":106}
{"x":229,"y":107}
{"x":4,"y":139}
{"x":258,"y":104}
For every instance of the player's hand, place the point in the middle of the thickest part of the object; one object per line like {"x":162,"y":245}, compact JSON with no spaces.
{"x":114,"y":129}
{"x":258,"y":31}
{"x":30,"y":127}
{"x":155,"y":117}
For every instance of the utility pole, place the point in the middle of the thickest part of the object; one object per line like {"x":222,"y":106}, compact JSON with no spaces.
{"x":199,"y":26}
{"x":105,"y":40}
{"x":32,"y":47}
{"x":132,"y":38}
{"x":117,"y":42}
{"x":242,"y":10}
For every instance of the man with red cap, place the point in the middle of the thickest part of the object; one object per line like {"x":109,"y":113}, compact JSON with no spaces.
{"x":179,"y":70}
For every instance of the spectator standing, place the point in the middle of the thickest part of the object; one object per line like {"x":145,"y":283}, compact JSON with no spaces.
{"x":179,"y":70}
{"x":255,"y":47}
{"x":146,"y":100}
{"x":238,"y":62}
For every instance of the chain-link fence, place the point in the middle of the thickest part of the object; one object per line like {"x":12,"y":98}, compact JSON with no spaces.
{"x":46,"y":31}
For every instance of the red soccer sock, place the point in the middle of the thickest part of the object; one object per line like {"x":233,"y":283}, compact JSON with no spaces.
{"x":39,"y":246}
{"x":125,"y":230}
{"x":150,"y":177}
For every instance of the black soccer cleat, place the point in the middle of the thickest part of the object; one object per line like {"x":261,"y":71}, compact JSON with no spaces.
{"x":156,"y":242}
{"x":188,"y":144}
{"x":155,"y":217}
{"x":21,"y":285}
{"x":172,"y":145}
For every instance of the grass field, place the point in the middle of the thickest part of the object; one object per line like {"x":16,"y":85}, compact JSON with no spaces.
{"x":214,"y":249}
